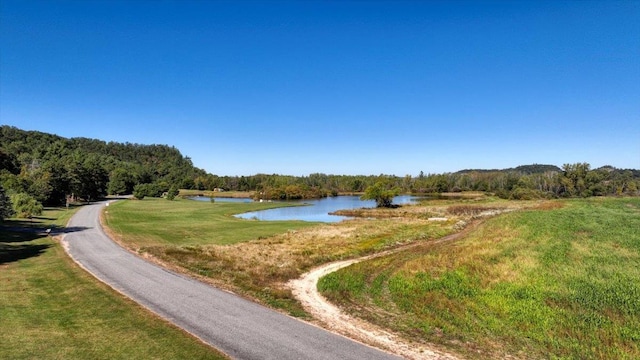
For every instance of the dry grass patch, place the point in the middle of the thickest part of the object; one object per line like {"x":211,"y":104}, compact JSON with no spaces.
{"x":475,"y":195}
{"x":470,"y":210}
{"x":550,"y":205}
{"x":261,"y":268}
{"x":404,"y":211}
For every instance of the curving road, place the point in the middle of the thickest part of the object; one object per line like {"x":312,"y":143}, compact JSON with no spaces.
{"x":237,"y":327}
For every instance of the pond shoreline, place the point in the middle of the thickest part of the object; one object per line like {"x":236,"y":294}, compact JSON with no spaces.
{"x":319,"y":210}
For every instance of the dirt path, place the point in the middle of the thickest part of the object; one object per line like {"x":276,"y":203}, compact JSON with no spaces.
{"x":306,"y":291}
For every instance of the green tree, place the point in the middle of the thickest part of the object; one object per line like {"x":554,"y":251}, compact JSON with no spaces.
{"x":381,"y":194}
{"x":25,"y":205}
{"x":121,"y":181}
{"x":6,"y":209}
{"x":574,"y":179}
{"x":39,"y":184}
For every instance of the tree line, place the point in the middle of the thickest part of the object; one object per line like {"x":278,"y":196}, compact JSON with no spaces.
{"x":52,"y":170}
{"x":38,"y":169}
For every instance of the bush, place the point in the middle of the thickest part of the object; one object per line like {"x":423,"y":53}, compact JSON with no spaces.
{"x":141,"y":191}
{"x":26,"y":205}
{"x":527,"y":194}
{"x":172,"y":193}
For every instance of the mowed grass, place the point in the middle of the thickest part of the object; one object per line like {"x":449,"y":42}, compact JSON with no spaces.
{"x":52,"y":309}
{"x":158,"y":222}
{"x":255,"y":258}
{"x":560,"y":282}
{"x":190,"y":235}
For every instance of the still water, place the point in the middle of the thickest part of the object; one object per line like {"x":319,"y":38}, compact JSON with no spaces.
{"x":222,"y":199}
{"x":318,"y":209}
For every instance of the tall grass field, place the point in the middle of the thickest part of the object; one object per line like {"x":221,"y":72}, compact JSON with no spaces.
{"x":559,"y":282}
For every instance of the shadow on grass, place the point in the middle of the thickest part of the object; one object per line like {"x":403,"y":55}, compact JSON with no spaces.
{"x":23,"y":250}
{"x":11,"y":232}
{"x":15,"y":241}
{"x":8,"y":236}
{"x":11,"y":253}
{"x":22,"y":223}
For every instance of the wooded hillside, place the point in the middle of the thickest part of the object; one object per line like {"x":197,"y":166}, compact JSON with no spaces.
{"x":51,"y":168}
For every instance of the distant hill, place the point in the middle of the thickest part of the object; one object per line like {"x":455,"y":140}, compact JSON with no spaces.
{"x":523,"y":169}
{"x":536,"y":169}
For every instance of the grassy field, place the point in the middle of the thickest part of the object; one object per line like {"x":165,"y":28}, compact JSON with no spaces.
{"x":185,"y":193}
{"x":153,"y":222}
{"x":256,"y":258}
{"x":51,"y":309}
{"x":561,"y":281}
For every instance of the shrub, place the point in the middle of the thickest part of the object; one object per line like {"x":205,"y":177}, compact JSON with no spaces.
{"x":526,"y":194}
{"x":141,"y":191}
{"x":172,"y":193}
{"x":26,"y":205}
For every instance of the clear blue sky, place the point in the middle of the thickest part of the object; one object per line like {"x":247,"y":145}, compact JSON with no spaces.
{"x":296,"y":87}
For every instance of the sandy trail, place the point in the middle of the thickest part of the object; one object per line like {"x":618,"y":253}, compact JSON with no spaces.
{"x":306,"y":291}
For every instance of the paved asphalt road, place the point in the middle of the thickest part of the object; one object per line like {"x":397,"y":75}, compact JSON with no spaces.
{"x":239,"y":328}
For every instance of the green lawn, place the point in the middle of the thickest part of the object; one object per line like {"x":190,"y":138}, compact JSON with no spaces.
{"x":51,"y":309}
{"x":558,"y":283}
{"x":152,"y":222}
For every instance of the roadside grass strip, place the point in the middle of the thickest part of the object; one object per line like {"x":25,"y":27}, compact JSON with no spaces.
{"x":51,"y":309}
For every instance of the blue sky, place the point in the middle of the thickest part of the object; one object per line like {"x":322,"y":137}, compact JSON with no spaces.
{"x":297,"y":87}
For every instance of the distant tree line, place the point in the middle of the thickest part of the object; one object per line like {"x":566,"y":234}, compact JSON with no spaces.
{"x":523,"y":182}
{"x":43,"y":169}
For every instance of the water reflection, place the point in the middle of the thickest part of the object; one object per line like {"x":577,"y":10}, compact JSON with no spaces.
{"x":319,"y":209}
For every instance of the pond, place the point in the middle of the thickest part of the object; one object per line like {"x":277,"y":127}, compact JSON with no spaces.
{"x":317,"y":209}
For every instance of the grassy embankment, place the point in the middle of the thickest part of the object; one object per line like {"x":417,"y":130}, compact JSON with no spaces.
{"x":257,"y":258}
{"x":555,"y":282}
{"x":51,"y":309}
